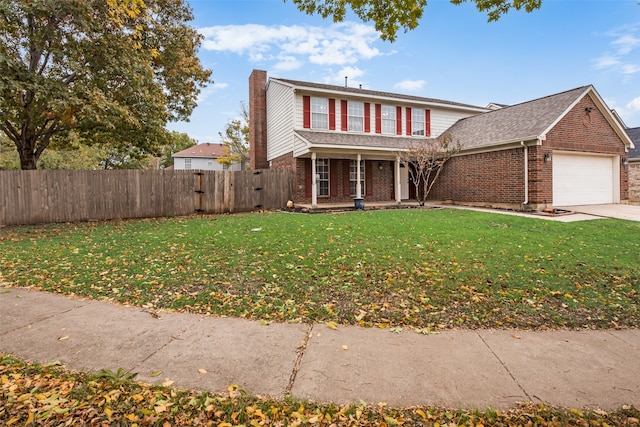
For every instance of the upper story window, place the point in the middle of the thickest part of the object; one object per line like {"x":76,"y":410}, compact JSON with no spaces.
{"x":356,"y":116}
{"x":319,"y":113}
{"x":388,"y":119}
{"x":417,"y":122}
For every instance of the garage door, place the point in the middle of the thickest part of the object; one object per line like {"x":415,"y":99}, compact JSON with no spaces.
{"x":582,"y":179}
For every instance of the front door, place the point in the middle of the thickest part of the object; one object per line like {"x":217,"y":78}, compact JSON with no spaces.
{"x":404,"y":182}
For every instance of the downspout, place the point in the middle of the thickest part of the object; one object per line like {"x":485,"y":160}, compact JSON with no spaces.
{"x":526,"y":175}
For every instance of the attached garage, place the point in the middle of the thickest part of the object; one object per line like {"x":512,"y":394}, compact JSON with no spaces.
{"x":584,"y":179}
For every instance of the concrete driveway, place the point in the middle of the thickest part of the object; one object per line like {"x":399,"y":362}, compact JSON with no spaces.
{"x":619,"y":211}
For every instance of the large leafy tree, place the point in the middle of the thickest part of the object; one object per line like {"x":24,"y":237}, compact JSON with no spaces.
{"x":389,"y":16}
{"x":111,"y":71}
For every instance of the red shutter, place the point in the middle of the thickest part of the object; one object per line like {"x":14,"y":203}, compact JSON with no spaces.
{"x":345,"y":178}
{"x":427,"y":123}
{"x":368,"y":177}
{"x":332,"y":114}
{"x":306,"y":109}
{"x":408,"y":120}
{"x":333,"y":177}
{"x":399,"y":120}
{"x":308,"y":176}
{"x":367,"y":117}
{"x":378,"y":118}
{"x":343,"y":115}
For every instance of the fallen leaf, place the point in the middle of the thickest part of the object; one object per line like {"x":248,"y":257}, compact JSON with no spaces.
{"x":63,"y":338}
{"x":345,"y":347}
{"x":167,"y":383}
{"x":155,"y":373}
{"x":202,"y":371}
{"x":515,"y":336}
{"x":332,"y":325}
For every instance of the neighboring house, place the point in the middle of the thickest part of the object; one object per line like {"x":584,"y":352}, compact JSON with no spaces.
{"x":348,"y":139}
{"x":202,"y":156}
{"x":634,"y":165}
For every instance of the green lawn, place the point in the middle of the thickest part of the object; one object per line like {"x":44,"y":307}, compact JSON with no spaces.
{"x":422,"y":268}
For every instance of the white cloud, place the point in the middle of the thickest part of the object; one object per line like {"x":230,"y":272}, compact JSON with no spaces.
{"x":630,"y":112}
{"x":409,"y":85}
{"x":626,"y":43}
{"x":618,"y":58}
{"x":210,"y":90}
{"x":352,"y":74}
{"x":339,"y":44}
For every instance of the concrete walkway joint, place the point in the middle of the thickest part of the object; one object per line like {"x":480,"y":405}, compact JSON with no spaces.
{"x":455,"y":368}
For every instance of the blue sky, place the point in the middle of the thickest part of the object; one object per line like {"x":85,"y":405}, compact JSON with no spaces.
{"x":454,"y":54}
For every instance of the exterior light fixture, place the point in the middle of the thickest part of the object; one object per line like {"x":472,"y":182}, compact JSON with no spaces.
{"x":380,"y":165}
{"x":547,"y":157}
{"x":625,"y":161}
{"x":588,"y":109}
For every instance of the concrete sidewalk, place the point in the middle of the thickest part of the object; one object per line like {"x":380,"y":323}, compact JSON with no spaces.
{"x":465,"y":369}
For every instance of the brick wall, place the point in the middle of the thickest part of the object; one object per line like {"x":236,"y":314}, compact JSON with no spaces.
{"x":258,"y":120}
{"x":496,"y":177}
{"x":380,"y":181}
{"x":634,"y":182}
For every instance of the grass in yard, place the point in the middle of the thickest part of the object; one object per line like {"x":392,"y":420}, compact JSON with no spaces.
{"x":32,"y":394}
{"x":425,"y":269}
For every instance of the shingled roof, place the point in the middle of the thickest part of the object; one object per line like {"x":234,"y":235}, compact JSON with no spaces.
{"x":520,"y":122}
{"x":354,"y":140}
{"x":634,"y":134}
{"x":203,"y":150}
{"x":374,"y":93}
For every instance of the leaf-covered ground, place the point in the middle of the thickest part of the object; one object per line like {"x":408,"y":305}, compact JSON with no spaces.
{"x":425,"y":269}
{"x":35,"y":395}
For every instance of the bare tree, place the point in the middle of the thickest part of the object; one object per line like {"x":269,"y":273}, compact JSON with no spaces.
{"x":425,"y":159}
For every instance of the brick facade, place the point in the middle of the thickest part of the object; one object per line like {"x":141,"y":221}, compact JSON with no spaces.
{"x":634,"y":182}
{"x":497,"y":178}
{"x":485,"y":178}
{"x":378,"y":180}
{"x":258,"y":120}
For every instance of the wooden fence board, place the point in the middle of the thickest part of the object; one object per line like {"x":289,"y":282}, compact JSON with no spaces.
{"x":48,"y":196}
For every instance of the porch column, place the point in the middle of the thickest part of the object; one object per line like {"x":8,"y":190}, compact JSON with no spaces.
{"x":398,"y":182}
{"x":358,"y":175}
{"x":314,"y":182}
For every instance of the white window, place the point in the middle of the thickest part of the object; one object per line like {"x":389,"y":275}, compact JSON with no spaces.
{"x":356,"y":116}
{"x":187,"y":163}
{"x":417,"y":122}
{"x":388,"y":119}
{"x":322,"y":173}
{"x":319,"y":113}
{"x":353,"y":177}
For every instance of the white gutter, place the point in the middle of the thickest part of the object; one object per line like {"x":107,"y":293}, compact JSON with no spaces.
{"x":526,"y":175}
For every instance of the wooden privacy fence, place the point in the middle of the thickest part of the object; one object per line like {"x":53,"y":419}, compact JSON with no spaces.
{"x":47,"y":196}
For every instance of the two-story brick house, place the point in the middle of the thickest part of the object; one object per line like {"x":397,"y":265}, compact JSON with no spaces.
{"x":343,"y":143}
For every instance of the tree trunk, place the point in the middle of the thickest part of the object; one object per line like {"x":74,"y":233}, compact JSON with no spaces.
{"x":28,"y":158}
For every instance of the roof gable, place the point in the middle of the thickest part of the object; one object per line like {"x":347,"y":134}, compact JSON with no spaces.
{"x":203,"y":150}
{"x":521,"y":122}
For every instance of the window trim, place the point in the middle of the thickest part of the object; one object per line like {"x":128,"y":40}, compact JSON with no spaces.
{"x":316,"y":113}
{"x":187,"y":163}
{"x":421,"y":120}
{"x":355,"y":119}
{"x":322,"y":163}
{"x":391,"y":120}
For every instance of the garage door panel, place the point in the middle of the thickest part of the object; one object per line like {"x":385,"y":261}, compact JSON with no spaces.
{"x":582,"y":179}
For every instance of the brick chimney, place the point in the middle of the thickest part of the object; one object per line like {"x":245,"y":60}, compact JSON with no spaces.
{"x":258,"y":120}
